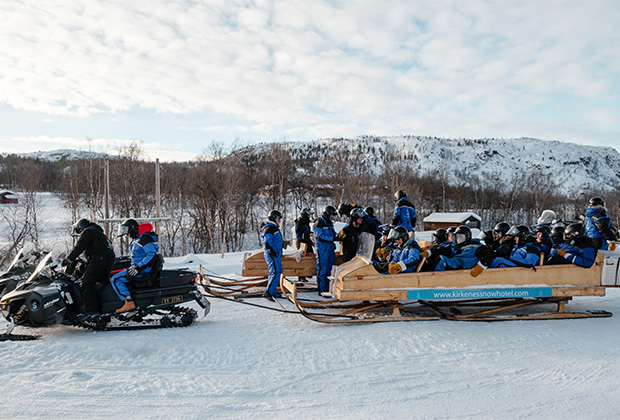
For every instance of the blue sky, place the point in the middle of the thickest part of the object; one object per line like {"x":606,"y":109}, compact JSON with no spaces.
{"x":179,"y":75}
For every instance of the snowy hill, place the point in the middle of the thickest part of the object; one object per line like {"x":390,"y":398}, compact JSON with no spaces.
{"x":573,"y":168}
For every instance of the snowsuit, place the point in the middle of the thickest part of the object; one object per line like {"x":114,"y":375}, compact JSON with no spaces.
{"x":407,"y":257}
{"x":350,"y":238}
{"x":598,"y":227}
{"x":324,"y":234}
{"x":144,"y":257}
{"x":271,"y":237}
{"x":99,"y":254}
{"x":527,"y":255}
{"x":447,"y":249}
{"x":582,"y":253}
{"x":467,"y":257}
{"x":404,"y":214}
{"x":302,"y":233}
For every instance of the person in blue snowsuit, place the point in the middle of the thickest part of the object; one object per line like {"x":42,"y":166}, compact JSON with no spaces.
{"x":405,"y":254}
{"x":543,"y":239}
{"x":469,"y":252}
{"x":271,"y":237}
{"x":598,"y":225}
{"x":404,"y":211}
{"x":145,"y":263}
{"x":525,"y":253}
{"x":577,"y":248}
{"x":324,"y":236}
{"x":440,"y":246}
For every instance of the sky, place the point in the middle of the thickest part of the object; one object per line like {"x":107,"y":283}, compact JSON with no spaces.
{"x":179,"y":75}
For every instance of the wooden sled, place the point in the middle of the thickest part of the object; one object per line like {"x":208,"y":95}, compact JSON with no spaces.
{"x":254,"y":265}
{"x":496,"y":295}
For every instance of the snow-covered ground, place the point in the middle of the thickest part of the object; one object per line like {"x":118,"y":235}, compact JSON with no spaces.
{"x":247,"y":362}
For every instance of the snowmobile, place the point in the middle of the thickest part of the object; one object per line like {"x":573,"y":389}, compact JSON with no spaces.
{"x":20,"y":268}
{"x":52,"y":295}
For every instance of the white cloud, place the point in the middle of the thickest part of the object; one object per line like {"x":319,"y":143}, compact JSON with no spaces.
{"x":307,"y":67}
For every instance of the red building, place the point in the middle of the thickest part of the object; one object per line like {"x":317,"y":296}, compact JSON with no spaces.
{"x":7,"y":197}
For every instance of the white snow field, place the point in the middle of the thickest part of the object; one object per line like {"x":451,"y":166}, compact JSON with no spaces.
{"x":242,"y":362}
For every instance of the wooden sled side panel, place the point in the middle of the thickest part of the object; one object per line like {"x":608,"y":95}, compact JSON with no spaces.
{"x":255,"y":265}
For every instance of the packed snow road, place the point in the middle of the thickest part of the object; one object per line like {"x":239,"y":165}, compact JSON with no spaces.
{"x":246,"y":362}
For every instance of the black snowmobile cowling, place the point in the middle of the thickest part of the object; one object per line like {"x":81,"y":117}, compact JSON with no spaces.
{"x":50,"y":296}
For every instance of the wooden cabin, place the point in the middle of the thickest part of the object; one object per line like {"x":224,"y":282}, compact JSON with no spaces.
{"x":7,"y":197}
{"x":438,"y":220}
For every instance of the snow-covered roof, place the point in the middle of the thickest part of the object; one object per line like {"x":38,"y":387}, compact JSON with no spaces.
{"x":438,"y":217}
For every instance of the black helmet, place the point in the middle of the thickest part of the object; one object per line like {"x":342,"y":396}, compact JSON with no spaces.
{"x":574,"y":232}
{"x":399,"y":232}
{"x":344,"y":209}
{"x":500,"y":230}
{"x":274,"y":215}
{"x":522,"y":232}
{"x":399,"y":194}
{"x":79,"y":226}
{"x":370,"y":211}
{"x":462,"y":235}
{"x":440,"y":235}
{"x":384,"y":229}
{"x":307,"y":212}
{"x":329,"y":211}
{"x":596,"y":202}
{"x":358,"y":213}
{"x":544,"y":229}
{"x":129,"y":227}
{"x":557,"y":234}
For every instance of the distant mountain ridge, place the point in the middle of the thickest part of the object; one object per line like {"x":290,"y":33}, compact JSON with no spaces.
{"x":573,"y":168}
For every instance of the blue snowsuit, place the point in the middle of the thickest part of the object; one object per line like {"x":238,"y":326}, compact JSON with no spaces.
{"x":466,"y":257}
{"x":324,"y":235}
{"x":582,"y":253}
{"x":404,"y":214}
{"x":408,"y":256}
{"x":271,"y":237}
{"x":526,"y":255}
{"x":598,"y":227}
{"x":143,"y":249}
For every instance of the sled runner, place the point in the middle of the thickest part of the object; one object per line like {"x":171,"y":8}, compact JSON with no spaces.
{"x":498,"y":294}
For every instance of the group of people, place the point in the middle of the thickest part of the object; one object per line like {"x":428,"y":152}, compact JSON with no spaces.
{"x":397,"y":251}
{"x":99,"y":254}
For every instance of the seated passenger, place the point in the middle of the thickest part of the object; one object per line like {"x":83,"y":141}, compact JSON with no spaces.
{"x":144,"y":261}
{"x":468,"y":252}
{"x":440,"y":246}
{"x":525,"y":253}
{"x":557,"y":235}
{"x":405,"y":253}
{"x":492,"y":238}
{"x":577,"y":249}
{"x":543,"y":239}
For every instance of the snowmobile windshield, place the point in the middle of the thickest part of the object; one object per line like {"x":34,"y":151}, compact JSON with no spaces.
{"x":547,"y":217}
{"x":366,"y":245}
{"x":22,"y":255}
{"x":49,"y":262}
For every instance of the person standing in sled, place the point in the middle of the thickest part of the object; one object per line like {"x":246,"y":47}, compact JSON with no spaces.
{"x":349,"y":236}
{"x":145,"y":263}
{"x":404,"y":212}
{"x":271,"y":237}
{"x":99,"y":254}
{"x":598,"y":225}
{"x":324,"y":235}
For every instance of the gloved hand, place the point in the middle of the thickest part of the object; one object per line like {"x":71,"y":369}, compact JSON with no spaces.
{"x":425,"y":254}
{"x":65,"y":262}
{"x":612,"y":245}
{"x":132,"y":271}
{"x":394,"y":268}
{"x":341,"y":235}
{"x":286,"y":244}
{"x":273,"y":252}
{"x":561,"y":252}
{"x":477,"y":270}
{"x":383,"y":253}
